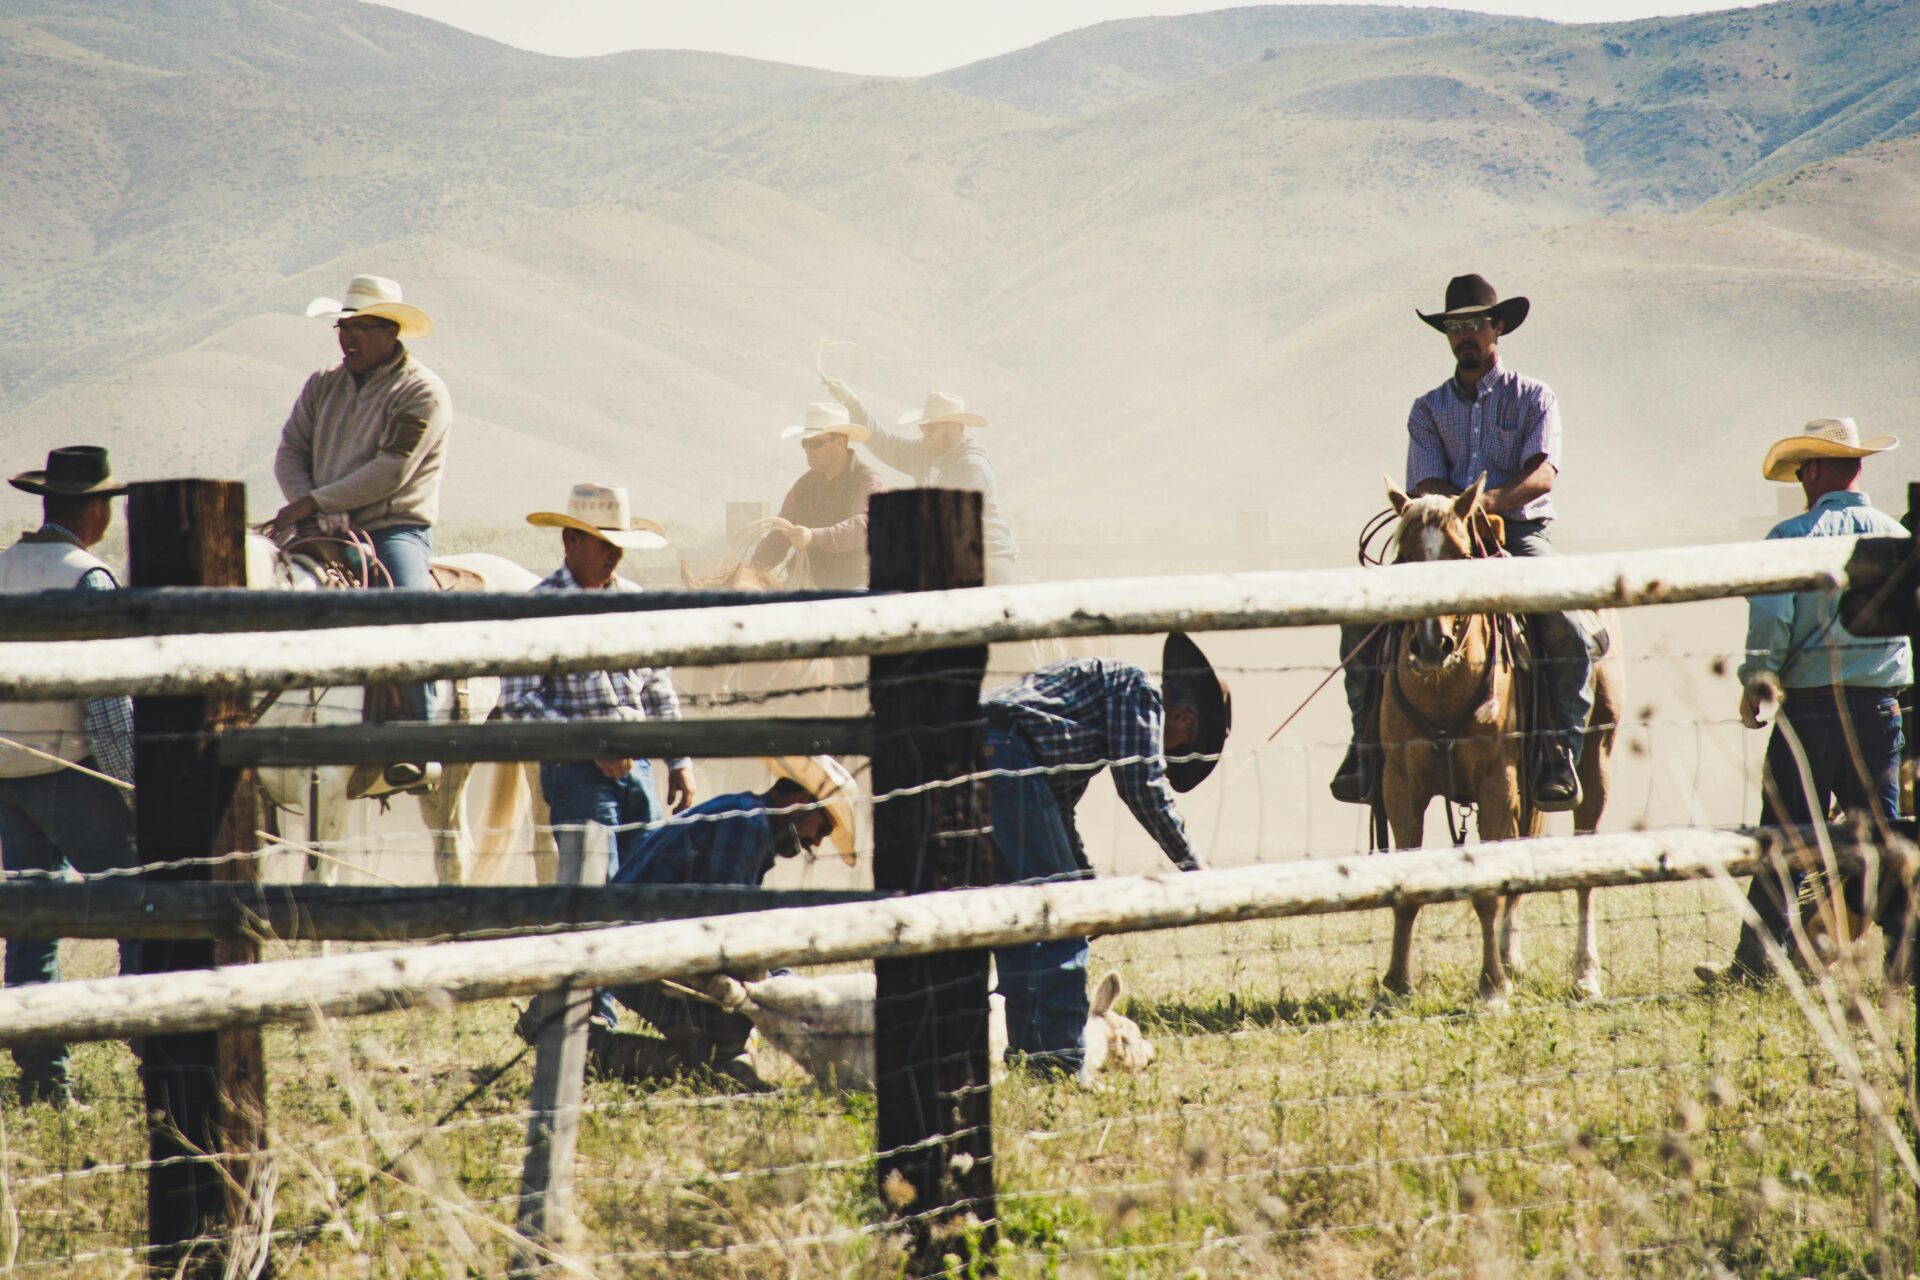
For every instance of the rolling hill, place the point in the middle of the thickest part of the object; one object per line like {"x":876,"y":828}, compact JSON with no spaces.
{"x":1174,"y":260}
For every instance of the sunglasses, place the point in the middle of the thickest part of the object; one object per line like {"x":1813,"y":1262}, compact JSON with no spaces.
{"x":1467,"y":324}
{"x":816,"y":442}
{"x":363,"y":326}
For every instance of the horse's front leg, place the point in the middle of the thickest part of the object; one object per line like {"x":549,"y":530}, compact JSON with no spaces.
{"x":1406,"y":806}
{"x":1499,"y":819}
{"x":1586,"y":950}
{"x":443,"y":807}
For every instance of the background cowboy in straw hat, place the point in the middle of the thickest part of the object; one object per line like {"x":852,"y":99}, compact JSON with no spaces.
{"x":1487,"y":419}
{"x":1837,"y":694}
{"x":366,"y":443}
{"x":826,"y":510}
{"x":1048,"y":734}
{"x":52,"y":814}
{"x":731,"y":839}
{"x":596,"y":530}
{"x":943,"y":455}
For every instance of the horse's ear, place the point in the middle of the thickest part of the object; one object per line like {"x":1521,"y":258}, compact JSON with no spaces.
{"x":1464,"y":504}
{"x":1395,"y":495}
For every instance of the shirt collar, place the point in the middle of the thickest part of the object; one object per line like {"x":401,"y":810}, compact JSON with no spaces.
{"x":62,"y":532}
{"x":1842,"y":498}
{"x":1494,"y":377}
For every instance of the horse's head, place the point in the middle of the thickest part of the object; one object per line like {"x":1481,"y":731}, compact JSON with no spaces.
{"x":1435,"y":528}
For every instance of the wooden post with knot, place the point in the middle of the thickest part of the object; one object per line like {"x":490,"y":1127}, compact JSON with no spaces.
{"x":932,"y":1083}
{"x":205,"y":1090}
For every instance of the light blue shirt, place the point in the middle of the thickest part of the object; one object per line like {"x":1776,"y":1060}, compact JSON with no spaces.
{"x":1800,"y":636}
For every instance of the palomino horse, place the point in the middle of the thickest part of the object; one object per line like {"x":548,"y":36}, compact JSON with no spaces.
{"x":1450,"y":726}
{"x":320,"y":793}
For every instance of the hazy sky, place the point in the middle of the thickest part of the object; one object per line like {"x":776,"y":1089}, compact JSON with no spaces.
{"x":874,"y":37}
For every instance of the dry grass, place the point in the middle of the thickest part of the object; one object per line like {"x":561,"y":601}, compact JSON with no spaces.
{"x":1291,"y":1126}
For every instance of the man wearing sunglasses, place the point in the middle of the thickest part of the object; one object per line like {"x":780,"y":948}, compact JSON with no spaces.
{"x":826,"y":510}
{"x":365,"y":445}
{"x":1487,"y":419}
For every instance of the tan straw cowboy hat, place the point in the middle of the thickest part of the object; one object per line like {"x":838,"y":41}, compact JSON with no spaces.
{"x":1821,"y":438}
{"x":77,"y":471}
{"x":824,"y":420}
{"x":374,"y":296}
{"x":829,"y":782}
{"x":942,"y":407}
{"x":601,"y":510}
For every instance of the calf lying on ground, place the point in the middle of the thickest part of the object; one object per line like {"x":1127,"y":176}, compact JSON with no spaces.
{"x":826,"y":1025}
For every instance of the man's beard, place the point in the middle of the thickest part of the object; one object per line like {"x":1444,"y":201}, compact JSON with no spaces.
{"x":1468,"y":360}
{"x":787,"y":843}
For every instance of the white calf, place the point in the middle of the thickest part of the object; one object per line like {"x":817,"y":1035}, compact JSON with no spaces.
{"x":826,"y":1025}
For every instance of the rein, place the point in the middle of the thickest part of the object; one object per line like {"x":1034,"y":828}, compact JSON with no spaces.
{"x":1446,"y":737}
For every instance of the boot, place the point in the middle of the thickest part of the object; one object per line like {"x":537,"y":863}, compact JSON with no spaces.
{"x":1748,"y":968}
{"x":1556,"y":788}
{"x":1353,"y":781}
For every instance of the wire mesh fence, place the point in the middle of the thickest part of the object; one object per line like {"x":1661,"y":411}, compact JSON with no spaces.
{"x":1293,"y":1118}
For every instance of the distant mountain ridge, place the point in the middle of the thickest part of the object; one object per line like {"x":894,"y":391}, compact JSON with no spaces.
{"x":1099,"y":66}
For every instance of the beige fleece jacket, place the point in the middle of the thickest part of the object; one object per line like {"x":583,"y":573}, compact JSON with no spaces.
{"x":374,"y":451}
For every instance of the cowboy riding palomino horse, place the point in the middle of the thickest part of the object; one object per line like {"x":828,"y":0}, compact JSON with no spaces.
{"x":1452,"y":725}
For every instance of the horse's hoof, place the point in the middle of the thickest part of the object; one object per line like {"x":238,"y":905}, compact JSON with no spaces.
{"x":1586,"y":986}
{"x":1496,"y":999}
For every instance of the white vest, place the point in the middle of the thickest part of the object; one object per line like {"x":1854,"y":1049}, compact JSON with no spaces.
{"x":55,"y":727}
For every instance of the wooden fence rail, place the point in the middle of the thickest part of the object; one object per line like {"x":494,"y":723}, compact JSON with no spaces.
{"x":934,"y":620}
{"x":367,"y":913}
{"x":139,"y":611}
{"x":547,"y":740}
{"x":922,"y":924}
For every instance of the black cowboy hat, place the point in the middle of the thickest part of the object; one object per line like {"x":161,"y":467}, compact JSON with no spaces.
{"x":1182,"y":663}
{"x":1473,"y":296}
{"x":77,"y":471}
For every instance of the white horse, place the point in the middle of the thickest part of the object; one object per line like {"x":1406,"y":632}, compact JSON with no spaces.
{"x":319,"y":793}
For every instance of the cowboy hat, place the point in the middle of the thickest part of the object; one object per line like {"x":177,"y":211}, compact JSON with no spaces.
{"x":827,"y":419}
{"x":1821,"y":438}
{"x":942,"y":407}
{"x":601,"y":510}
{"x":374,"y":296}
{"x":1182,"y":663}
{"x":829,"y":783}
{"x":77,"y":471}
{"x":1471,"y":295}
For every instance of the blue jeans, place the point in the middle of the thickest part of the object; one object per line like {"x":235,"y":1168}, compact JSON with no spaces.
{"x":1564,"y":656}
{"x":1043,"y":983}
{"x":407,"y":553}
{"x":48,"y":821}
{"x":1851,"y":739}
{"x":578,"y":793}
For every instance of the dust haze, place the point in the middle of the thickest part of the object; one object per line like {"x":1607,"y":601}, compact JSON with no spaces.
{"x":1175,"y":263}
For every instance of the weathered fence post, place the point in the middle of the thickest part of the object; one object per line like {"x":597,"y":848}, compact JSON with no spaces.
{"x":205,"y":1091}
{"x":1910,"y":749}
{"x":559,"y":1079}
{"x":935,"y":1107}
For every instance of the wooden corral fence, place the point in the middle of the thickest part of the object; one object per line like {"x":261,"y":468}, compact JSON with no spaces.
{"x":926,"y":924}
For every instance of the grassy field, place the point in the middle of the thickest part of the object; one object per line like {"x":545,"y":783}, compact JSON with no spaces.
{"x":1291,"y":1125}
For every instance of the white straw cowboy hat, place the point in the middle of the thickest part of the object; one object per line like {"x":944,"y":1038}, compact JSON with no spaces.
{"x":942,"y":407}
{"x":829,"y":782}
{"x":601,"y":510}
{"x":827,"y":419}
{"x":374,"y":296}
{"x":1821,"y":438}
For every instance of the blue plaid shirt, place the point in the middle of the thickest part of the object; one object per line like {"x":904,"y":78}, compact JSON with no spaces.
{"x":1510,"y":422}
{"x":642,"y":693}
{"x":727,"y":840}
{"x":1083,"y":714}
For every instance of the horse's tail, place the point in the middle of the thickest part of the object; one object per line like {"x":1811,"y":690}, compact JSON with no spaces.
{"x":500,"y":824}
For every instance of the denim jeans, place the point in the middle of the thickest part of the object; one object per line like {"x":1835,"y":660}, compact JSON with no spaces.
{"x":1043,"y":983}
{"x":407,"y":553}
{"x":1564,"y":656}
{"x":577,"y":793}
{"x":1851,"y":740}
{"x":49,"y":821}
